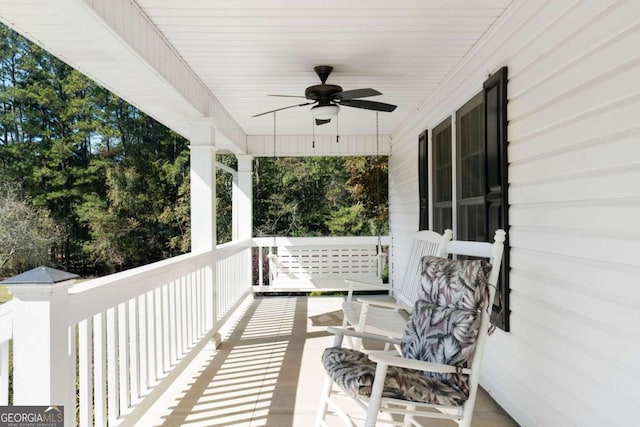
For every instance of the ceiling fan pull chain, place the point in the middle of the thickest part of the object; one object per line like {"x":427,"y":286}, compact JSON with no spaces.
{"x":313,"y":132}
{"x":378,"y":166}
{"x":377,"y":135}
{"x":337,"y":129}
{"x":274,"y":134}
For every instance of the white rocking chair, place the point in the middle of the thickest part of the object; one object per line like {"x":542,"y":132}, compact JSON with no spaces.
{"x":436,"y":376}
{"x":385,"y":317}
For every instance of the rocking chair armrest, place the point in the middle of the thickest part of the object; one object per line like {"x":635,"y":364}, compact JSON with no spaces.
{"x":385,"y":304}
{"x":393,"y":359}
{"x":341,"y":332}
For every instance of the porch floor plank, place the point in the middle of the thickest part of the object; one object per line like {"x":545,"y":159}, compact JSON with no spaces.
{"x":267,"y":371}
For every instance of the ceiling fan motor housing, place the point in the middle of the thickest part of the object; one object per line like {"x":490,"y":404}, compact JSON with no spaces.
{"x":322,"y":93}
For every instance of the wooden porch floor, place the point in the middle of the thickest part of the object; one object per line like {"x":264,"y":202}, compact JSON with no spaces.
{"x":267,"y":371}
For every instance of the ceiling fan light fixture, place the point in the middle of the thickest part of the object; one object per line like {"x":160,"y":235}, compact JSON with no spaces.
{"x":324,"y":112}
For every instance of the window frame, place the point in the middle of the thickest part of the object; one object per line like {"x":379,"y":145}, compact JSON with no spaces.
{"x":423,"y":180}
{"x":462,"y":200}
{"x":442,"y":127}
{"x":494,"y":198}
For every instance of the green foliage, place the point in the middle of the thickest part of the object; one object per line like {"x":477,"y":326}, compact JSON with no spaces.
{"x":114,"y":180}
{"x":320,"y":196}
{"x":347,"y":220}
{"x":27,"y":233}
{"x":224,"y":205}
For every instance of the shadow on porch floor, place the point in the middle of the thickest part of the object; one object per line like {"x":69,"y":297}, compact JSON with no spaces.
{"x":267,"y":371}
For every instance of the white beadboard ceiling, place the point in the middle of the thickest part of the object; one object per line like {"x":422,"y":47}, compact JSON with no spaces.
{"x":244,"y":50}
{"x":240,"y":51}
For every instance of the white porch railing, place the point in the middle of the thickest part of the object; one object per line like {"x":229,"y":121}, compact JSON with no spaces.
{"x":104,"y":347}
{"x":6,"y":328}
{"x":127,"y":331}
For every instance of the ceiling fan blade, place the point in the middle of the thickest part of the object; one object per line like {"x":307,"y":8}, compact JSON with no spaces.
{"x":284,"y":108}
{"x":369,"y":105}
{"x":356,"y":93}
{"x":289,"y":96}
{"x":322,"y":121}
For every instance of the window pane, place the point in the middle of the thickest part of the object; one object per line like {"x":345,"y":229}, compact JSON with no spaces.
{"x":442,"y":218}
{"x":442,"y":176}
{"x":423,"y":181}
{"x":470,"y":219}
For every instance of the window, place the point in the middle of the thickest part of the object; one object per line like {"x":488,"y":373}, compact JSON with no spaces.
{"x":442,"y":178}
{"x":470,"y":171}
{"x":423,"y":180}
{"x":473,"y":194}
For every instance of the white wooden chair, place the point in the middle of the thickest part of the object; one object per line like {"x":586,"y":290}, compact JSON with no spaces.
{"x":451,"y":313}
{"x":386,"y":317}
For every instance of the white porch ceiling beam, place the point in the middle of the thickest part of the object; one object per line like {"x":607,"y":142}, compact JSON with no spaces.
{"x":115,"y":44}
{"x":319,"y":145}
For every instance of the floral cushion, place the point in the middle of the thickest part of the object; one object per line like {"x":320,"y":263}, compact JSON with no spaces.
{"x":442,"y":335}
{"x":453,"y":283}
{"x":444,"y":324}
{"x":354,"y":372}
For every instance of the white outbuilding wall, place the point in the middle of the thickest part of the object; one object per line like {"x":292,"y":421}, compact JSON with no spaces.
{"x":572,"y":357}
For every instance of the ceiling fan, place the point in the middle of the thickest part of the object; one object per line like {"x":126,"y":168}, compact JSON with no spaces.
{"x":328,"y":98}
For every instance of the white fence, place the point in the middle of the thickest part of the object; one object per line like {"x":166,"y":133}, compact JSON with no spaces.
{"x":101,"y":347}
{"x":6,"y":326}
{"x":127,"y":331}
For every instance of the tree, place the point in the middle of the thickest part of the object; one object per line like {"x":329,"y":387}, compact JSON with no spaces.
{"x":320,"y":196}
{"x":27,"y":233}
{"x":369,"y":186}
{"x":115,"y":180}
{"x":224,"y":204}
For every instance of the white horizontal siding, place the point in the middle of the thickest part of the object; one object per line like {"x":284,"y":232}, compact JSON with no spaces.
{"x":573,"y":354}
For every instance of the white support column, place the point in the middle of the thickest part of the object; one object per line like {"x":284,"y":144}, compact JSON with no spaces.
{"x":243,"y":199}
{"x":203,"y":185}
{"x":203,"y":207}
{"x":44,"y":347}
{"x":243,"y":209}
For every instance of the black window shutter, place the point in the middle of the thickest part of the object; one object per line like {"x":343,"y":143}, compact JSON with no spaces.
{"x":497,"y":203}
{"x":423,"y":180}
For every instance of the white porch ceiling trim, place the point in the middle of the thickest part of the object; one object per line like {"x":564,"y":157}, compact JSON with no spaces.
{"x":325,"y":145}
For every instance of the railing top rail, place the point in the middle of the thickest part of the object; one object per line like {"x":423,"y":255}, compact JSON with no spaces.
{"x":6,"y":320}
{"x":321,"y":241}
{"x":228,"y":249}
{"x":96,"y":295}
{"x":141,"y":272}
{"x":6,"y":309}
